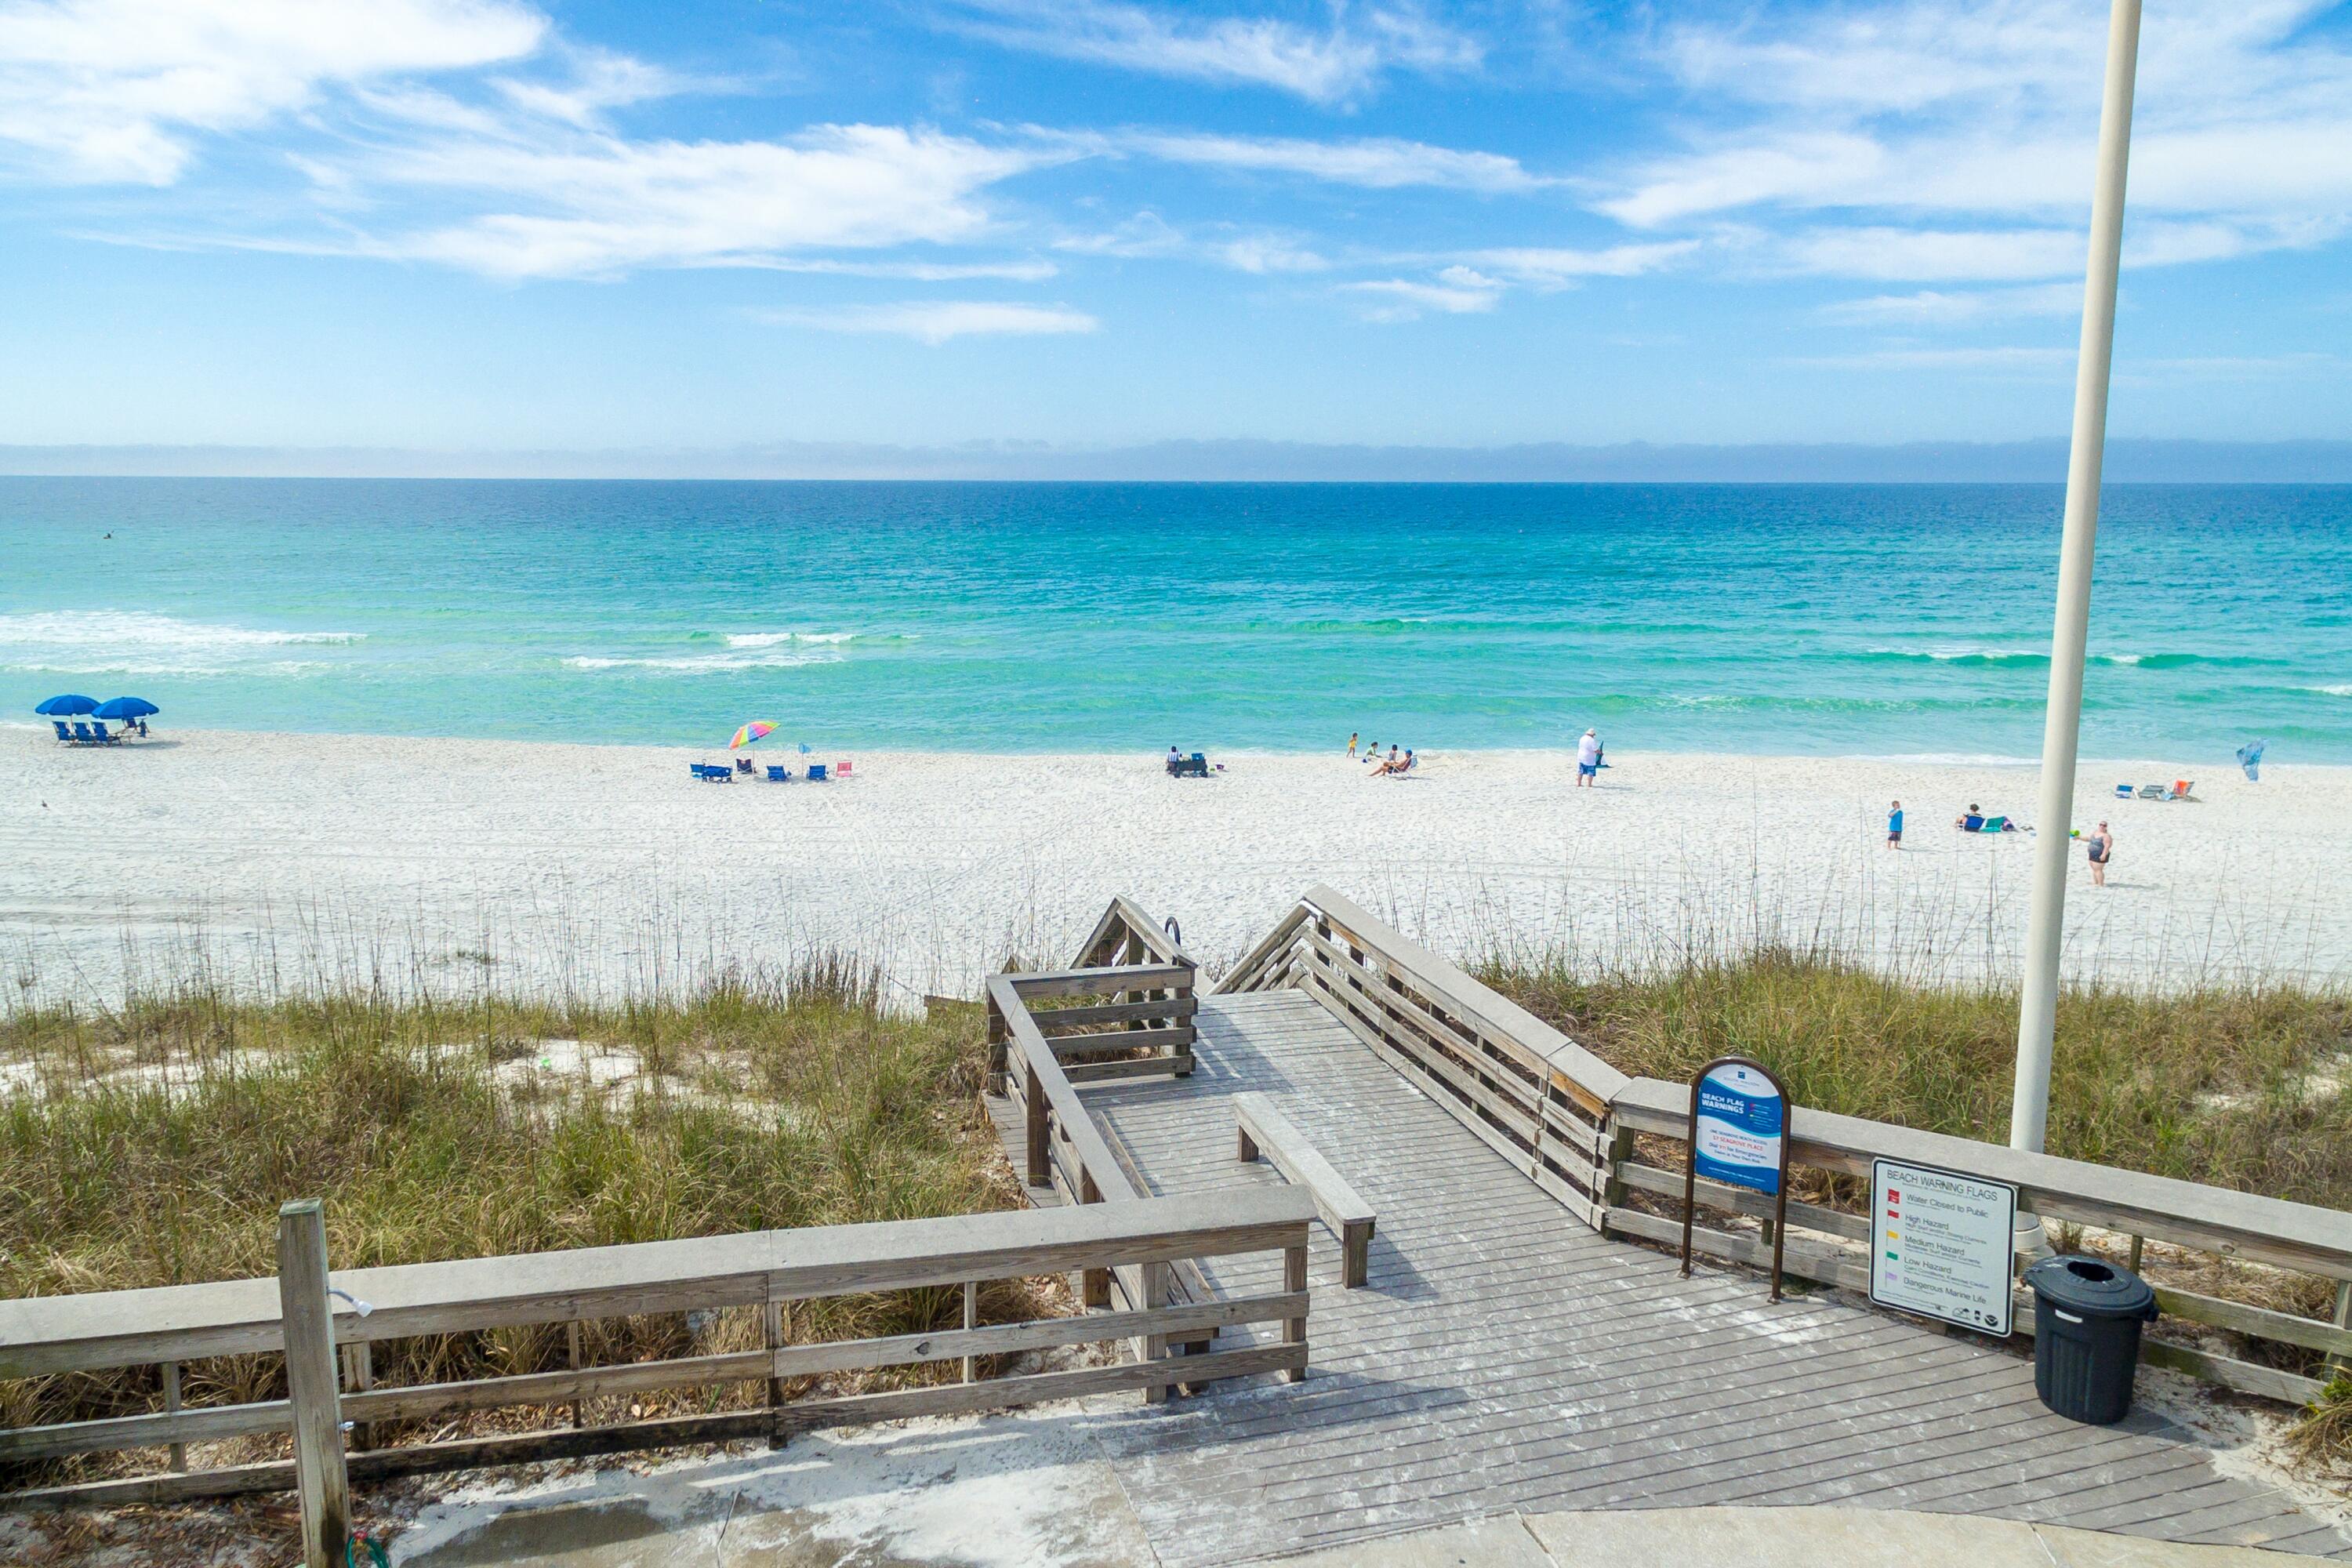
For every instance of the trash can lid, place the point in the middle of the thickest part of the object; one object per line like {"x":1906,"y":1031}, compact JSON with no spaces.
{"x":2091,"y":1286}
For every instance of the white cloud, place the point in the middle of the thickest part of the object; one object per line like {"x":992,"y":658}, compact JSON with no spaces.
{"x":1457,"y":291}
{"x":1879,"y":251}
{"x":116,"y":91}
{"x":936,"y":321}
{"x":1323,"y":66}
{"x":1952,"y":308}
{"x":1373,"y":163}
{"x":1024,"y":271}
{"x":1951,"y":116}
{"x":2034,"y":364}
{"x":604,"y":206}
{"x":600,"y":81}
{"x":1147,"y":235}
{"x":1554,"y":268}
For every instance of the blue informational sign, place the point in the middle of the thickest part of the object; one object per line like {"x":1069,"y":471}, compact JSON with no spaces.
{"x":1741,"y":1124}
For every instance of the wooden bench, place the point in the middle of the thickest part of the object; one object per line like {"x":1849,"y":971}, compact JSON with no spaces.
{"x":1266,"y":1131}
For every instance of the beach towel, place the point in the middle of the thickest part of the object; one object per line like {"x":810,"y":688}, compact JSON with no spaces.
{"x":2250,"y":757}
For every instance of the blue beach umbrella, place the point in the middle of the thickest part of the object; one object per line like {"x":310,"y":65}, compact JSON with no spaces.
{"x":126,"y":708}
{"x":67,"y":707}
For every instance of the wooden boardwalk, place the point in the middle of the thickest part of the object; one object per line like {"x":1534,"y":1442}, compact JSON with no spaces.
{"x":1504,"y":1357}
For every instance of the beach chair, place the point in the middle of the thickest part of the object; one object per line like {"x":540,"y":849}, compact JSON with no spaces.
{"x":64,"y":734}
{"x":816,"y":772}
{"x":1994,"y":825}
{"x":1972,"y":824}
{"x":82,"y":737}
{"x":98,"y":728}
{"x":841,"y":770}
{"x":2181,"y":788}
{"x":2153,"y":792}
{"x":779,"y":773}
{"x":2123,"y":792}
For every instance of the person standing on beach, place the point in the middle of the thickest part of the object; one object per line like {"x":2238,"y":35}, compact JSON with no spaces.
{"x":1895,"y":826}
{"x":1588,"y":759}
{"x":1352,"y":743}
{"x":2101,"y":849}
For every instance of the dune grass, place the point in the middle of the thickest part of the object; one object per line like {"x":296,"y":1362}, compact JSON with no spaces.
{"x":2232,"y":1087}
{"x":152,"y":1145}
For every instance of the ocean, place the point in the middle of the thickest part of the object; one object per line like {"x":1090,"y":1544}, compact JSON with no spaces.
{"x":1906,"y":620}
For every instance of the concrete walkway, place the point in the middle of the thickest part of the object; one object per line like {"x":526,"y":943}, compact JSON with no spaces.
{"x":1774,"y":1537}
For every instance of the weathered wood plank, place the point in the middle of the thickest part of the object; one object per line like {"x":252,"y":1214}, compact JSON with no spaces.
{"x":58,"y":1333}
{"x":1263,"y":1128}
{"x":1109,"y":981}
{"x":1053,"y":1022}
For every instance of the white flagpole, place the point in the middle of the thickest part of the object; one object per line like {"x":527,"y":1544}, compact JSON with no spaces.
{"x":2028,"y":1116}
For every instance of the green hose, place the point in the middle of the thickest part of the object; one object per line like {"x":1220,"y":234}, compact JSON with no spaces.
{"x":376,"y":1553}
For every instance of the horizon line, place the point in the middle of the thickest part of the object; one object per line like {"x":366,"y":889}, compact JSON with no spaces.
{"x":2129,"y":460}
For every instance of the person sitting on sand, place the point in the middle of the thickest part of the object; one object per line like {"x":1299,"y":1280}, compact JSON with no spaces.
{"x":1971,"y":820}
{"x":1394,"y":767}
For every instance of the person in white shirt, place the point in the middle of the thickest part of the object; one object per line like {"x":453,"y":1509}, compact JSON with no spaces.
{"x":1588,"y":759}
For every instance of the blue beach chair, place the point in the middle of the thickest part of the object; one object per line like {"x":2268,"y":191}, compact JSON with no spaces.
{"x":64,"y":734}
{"x":82,"y":737}
{"x":777,"y":773}
{"x":816,"y":773}
{"x":104,"y":739}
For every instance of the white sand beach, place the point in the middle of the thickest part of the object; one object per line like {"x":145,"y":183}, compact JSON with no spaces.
{"x":607,"y":870}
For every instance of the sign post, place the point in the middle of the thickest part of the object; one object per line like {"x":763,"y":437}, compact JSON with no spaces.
{"x":1738,"y":1136}
{"x":1940,"y":1245}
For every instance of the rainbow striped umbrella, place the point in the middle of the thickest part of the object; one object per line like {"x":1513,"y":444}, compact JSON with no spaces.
{"x":757,"y":729}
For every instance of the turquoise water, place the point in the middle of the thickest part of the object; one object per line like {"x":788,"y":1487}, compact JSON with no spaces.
{"x":1888,"y":620}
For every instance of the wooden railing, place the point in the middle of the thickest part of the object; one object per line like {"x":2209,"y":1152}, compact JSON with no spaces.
{"x":1570,"y":1120}
{"x":1141,"y":1239}
{"x":1125,"y":1011}
{"x":1535,"y":1096}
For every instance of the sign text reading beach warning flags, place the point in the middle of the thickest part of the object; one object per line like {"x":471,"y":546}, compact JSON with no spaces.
{"x":1941,"y":1245}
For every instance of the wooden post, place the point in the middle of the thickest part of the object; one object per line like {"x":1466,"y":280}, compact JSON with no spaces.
{"x":2339,"y":1366}
{"x":358,"y":1376}
{"x":572,"y":1356}
{"x":1039,"y":1176}
{"x":1614,"y":1153}
{"x":970,"y":1319}
{"x":1153,"y":1348}
{"x":1184,"y":1051}
{"x":996,"y":1036}
{"x":1294,"y":1279}
{"x":2139,"y":1244}
{"x":773,"y":1324}
{"x":308,"y":1322}
{"x":172,"y":1407}
{"x":1094,"y":1284}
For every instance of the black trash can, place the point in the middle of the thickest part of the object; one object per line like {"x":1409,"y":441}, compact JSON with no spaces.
{"x":2086,"y":1321}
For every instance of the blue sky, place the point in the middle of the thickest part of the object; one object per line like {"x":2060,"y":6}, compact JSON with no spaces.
{"x":492,"y":225}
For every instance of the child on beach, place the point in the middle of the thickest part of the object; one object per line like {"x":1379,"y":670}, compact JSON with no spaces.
{"x":1895,"y":826}
{"x":1352,"y":743}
